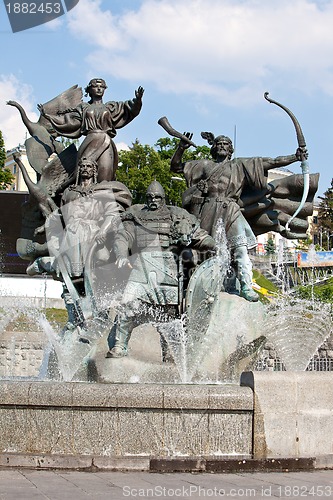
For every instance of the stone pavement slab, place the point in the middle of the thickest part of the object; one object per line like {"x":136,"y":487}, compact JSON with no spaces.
{"x":26,"y":484}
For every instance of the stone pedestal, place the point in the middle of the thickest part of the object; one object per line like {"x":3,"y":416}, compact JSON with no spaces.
{"x":293,"y":414}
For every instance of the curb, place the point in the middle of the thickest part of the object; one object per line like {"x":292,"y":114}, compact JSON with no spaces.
{"x":157,"y":464}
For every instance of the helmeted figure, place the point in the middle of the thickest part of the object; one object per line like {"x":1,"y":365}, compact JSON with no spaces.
{"x":154,"y":235}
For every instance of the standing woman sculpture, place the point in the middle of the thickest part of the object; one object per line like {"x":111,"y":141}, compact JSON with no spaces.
{"x":98,"y":122}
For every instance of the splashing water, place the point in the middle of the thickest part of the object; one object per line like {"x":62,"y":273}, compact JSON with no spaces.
{"x":296,"y":328}
{"x":223,"y":253}
{"x":177,"y":338}
{"x":74,"y":347}
{"x":23,"y":347}
{"x":215,"y":326}
{"x":280,"y":272}
{"x":202,"y":297}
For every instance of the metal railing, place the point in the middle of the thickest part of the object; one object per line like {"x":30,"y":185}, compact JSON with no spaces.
{"x":320,"y":365}
{"x":316,"y":364}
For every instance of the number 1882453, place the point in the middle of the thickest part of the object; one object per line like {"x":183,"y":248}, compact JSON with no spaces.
{"x":34,"y":8}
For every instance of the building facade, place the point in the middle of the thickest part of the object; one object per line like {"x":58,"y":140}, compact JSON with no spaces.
{"x":19,"y":184}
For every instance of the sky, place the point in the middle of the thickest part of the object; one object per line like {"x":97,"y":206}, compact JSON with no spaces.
{"x":204,"y":64}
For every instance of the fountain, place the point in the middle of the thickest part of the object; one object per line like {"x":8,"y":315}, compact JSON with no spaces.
{"x":183,"y":393}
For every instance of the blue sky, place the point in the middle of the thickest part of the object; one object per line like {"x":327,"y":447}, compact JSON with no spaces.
{"x":205,"y":64}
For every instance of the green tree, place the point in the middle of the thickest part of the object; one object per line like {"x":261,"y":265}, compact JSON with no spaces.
{"x":6,"y":177}
{"x":325,"y":219}
{"x":270,"y":247}
{"x":166,"y":148}
{"x":67,"y":142}
{"x":303,"y":245}
{"x":143,"y":164}
{"x":325,"y":215}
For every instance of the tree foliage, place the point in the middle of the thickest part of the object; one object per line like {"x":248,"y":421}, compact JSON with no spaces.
{"x":270,"y":247}
{"x":142,"y":164}
{"x":166,"y":148}
{"x":325,"y":217}
{"x":6,"y":177}
{"x":65,"y":141}
{"x":303,"y":245}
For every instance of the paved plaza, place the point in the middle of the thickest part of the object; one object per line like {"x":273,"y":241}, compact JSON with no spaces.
{"x":16,"y":484}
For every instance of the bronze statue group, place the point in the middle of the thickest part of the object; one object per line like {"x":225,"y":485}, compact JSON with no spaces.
{"x":88,"y":219}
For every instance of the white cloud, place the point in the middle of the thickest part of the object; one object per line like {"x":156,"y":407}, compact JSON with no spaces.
{"x":11,"y":125}
{"x":122,"y":146}
{"x":226,"y":49}
{"x":94,"y":26}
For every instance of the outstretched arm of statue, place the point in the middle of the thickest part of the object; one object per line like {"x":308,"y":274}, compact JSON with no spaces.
{"x":283,"y":161}
{"x":176,"y":164}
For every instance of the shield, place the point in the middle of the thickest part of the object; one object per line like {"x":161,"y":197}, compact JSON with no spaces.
{"x":201,"y":298}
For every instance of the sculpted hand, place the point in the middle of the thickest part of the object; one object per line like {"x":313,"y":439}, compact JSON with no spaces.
{"x":122,"y":262}
{"x":203,"y":186}
{"x":139,"y":93}
{"x":39,"y":230}
{"x":270,"y":188}
{"x":183,"y":144}
{"x":302,"y":154}
{"x":101,"y":237}
{"x":41,"y":109}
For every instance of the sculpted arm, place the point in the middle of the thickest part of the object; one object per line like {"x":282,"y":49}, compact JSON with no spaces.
{"x":283,"y":161}
{"x":123,"y":112}
{"x":123,"y":243}
{"x":203,"y":241}
{"x":176,"y":164}
{"x":111,"y":220}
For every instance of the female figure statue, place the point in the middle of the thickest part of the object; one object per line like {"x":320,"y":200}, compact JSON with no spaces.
{"x":98,"y":122}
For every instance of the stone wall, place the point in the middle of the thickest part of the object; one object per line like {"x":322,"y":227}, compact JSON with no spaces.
{"x":109,"y":422}
{"x":21,"y":354}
